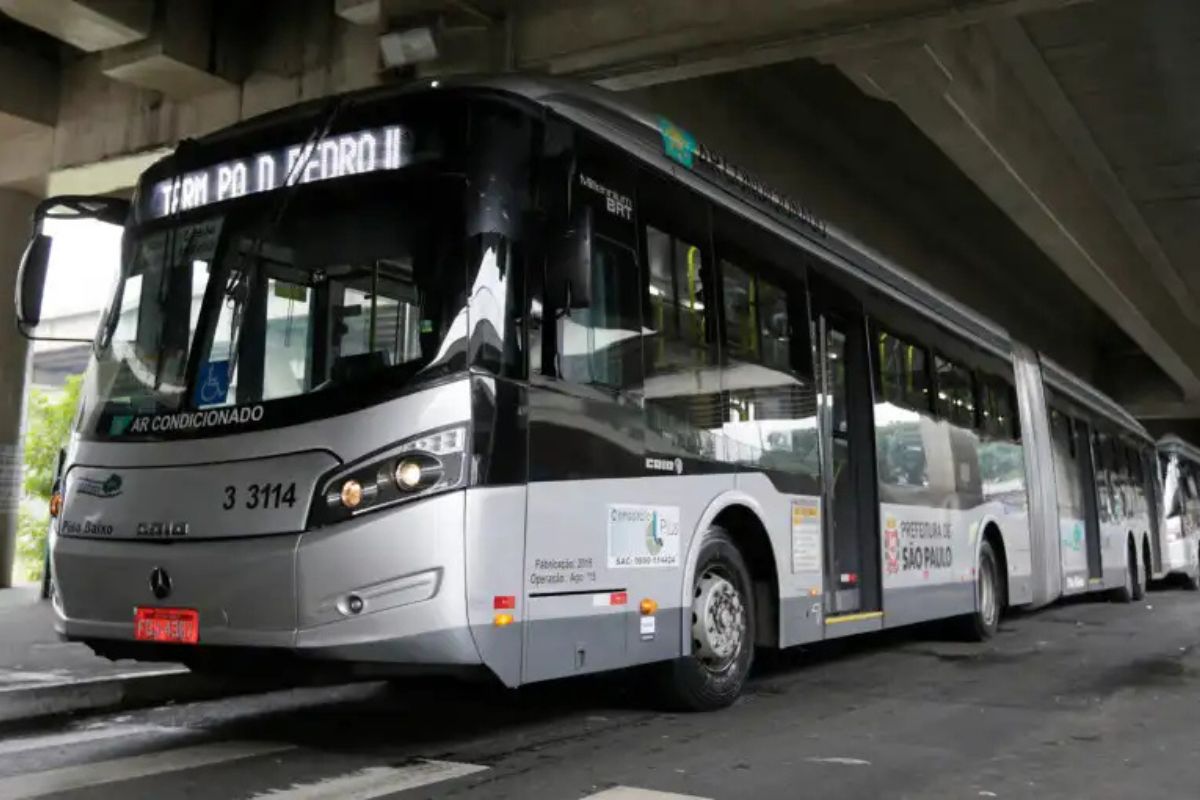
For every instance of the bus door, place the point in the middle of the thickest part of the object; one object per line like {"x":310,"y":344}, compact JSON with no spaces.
{"x":1091,"y":497}
{"x":851,"y":526}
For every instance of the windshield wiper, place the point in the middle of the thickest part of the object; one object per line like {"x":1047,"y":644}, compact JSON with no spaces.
{"x":237,"y":284}
{"x":167,"y":286}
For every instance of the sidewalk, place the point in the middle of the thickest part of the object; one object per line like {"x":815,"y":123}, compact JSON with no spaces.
{"x":40,"y":675}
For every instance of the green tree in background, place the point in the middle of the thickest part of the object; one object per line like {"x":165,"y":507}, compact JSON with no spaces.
{"x":48,"y":426}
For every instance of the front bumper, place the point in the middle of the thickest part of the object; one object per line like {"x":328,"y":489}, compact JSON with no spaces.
{"x":289,"y":591}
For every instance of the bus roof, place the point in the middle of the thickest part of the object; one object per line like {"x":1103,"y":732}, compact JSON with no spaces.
{"x":1174,"y":444}
{"x":643,"y":135}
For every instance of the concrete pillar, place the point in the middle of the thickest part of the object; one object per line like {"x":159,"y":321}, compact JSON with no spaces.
{"x":15,"y":210}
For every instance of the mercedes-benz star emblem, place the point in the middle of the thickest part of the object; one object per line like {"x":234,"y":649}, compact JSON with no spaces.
{"x":160,"y":583}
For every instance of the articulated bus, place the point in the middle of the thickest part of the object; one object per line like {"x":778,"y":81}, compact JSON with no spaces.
{"x":1179,"y":469}
{"x":499,"y":375}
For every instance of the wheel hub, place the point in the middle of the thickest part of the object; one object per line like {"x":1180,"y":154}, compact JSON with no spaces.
{"x":718,"y":620}
{"x":987,"y":595}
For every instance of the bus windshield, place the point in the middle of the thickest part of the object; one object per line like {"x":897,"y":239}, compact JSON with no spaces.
{"x":357,"y":283}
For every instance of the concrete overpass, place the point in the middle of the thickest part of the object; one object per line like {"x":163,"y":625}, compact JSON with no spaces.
{"x":1036,"y":158}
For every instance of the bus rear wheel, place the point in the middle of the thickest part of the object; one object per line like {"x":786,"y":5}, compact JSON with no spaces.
{"x":1133,"y":589}
{"x":983,"y":623}
{"x":721,"y":627}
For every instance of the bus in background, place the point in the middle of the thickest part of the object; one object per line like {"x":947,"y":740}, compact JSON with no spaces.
{"x":501,"y":375}
{"x":1179,"y":467}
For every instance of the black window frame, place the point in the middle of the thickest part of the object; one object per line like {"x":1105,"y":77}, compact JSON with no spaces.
{"x":972,"y":390}
{"x":877,"y":329}
{"x":676,"y":216}
{"x":792,"y":282}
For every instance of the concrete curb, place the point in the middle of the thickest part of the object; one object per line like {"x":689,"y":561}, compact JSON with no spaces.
{"x":127,"y":690}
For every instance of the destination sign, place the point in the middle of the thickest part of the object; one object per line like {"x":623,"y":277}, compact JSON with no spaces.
{"x":338,"y":156}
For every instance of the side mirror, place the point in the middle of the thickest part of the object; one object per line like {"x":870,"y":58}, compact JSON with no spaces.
{"x":31,"y":282}
{"x":54,"y":217}
{"x":571,"y":261}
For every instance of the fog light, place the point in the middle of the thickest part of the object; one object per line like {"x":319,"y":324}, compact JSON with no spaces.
{"x":351,"y":494}
{"x":354,"y":604}
{"x":408,"y":475}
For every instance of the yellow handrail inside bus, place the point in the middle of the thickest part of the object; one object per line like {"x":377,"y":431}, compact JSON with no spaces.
{"x":693,"y":275}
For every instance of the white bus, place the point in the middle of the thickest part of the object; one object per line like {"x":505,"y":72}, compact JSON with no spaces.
{"x":502,"y":375}
{"x":1179,"y":469}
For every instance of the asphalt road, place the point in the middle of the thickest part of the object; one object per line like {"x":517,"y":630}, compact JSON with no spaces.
{"x":1081,"y":700}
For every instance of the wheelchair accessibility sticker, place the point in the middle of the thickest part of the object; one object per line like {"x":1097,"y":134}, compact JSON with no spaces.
{"x":212,"y":384}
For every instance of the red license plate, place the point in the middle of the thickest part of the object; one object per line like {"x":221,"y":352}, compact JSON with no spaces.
{"x":174,"y":625}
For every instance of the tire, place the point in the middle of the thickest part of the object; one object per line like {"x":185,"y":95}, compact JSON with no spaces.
{"x":712,"y":676}
{"x":1129,"y":592}
{"x":46,"y":584}
{"x":1147,"y":568}
{"x":1141,"y":574}
{"x":1191,"y":581}
{"x":982,"y":624}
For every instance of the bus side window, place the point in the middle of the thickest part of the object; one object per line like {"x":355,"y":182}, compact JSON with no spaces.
{"x":995,"y":405}
{"x":683,"y":388}
{"x":770,"y":402}
{"x":597,"y":333}
{"x":1104,"y":477}
{"x":600,"y":345}
{"x":1174,"y":492}
{"x":955,"y":393}
{"x":1137,"y":487}
{"x":678,"y":322}
{"x":1124,"y":496}
{"x":903,"y":372}
{"x":1062,"y":440}
{"x":902,"y":398}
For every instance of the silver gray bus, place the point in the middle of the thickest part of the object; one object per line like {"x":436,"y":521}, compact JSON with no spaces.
{"x":500,"y":374}
{"x":1179,"y":470}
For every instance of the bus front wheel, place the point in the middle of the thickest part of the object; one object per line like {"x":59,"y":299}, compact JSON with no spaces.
{"x":721,"y":627}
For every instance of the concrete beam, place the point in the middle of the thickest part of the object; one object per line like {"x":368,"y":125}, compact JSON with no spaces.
{"x":359,"y":12}
{"x":28,"y":113}
{"x":623,"y":44}
{"x":373,"y":13}
{"x":1030,"y":69}
{"x":304,"y":54}
{"x":176,"y":59}
{"x":90,"y":25}
{"x":29,"y":98}
{"x":958,"y":89}
{"x":112,"y":176}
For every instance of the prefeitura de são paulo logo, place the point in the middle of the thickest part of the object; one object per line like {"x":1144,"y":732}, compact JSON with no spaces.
{"x":891,"y":546}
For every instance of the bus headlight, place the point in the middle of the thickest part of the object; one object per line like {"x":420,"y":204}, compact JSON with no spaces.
{"x":408,"y":475}
{"x":416,"y":467}
{"x":351,"y":494}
